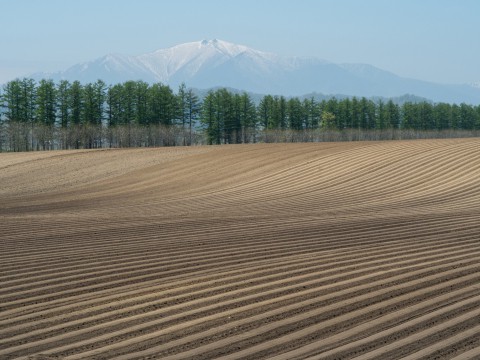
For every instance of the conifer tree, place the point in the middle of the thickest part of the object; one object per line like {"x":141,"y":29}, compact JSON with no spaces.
{"x":248,"y":118}
{"x":266,"y":112}
{"x":295,"y":114}
{"x":210,"y":118}
{"x":13,"y":101}
{"x":115,"y":105}
{"x":46,"y":103}
{"x":63,"y":103}
{"x":393,"y":117}
{"x":141,"y":115}
{"x":162,"y":105}
{"x":76,"y":103}
{"x":29,"y":96}
{"x":193,"y":111}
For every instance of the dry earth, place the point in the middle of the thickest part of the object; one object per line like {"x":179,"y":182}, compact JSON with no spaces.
{"x":283,"y":251}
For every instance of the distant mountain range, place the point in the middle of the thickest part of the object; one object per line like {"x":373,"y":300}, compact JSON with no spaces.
{"x":213,"y":63}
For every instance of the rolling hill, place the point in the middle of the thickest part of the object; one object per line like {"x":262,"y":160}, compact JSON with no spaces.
{"x":281,"y":251}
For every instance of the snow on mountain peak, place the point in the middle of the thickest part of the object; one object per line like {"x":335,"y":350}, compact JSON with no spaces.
{"x":190,"y":58}
{"x":224,"y":47}
{"x":206,"y":42}
{"x":209,"y":63}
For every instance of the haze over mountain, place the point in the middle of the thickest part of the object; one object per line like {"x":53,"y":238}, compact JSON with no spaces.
{"x":212,"y":63}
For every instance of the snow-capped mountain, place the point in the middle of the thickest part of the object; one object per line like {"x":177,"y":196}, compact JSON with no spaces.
{"x":194,"y":63}
{"x":212,"y":63}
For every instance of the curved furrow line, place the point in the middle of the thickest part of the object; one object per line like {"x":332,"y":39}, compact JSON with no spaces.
{"x":85,"y":285}
{"x":97,"y":271}
{"x":437,"y":245}
{"x":353,"y":231}
{"x":318,"y":339}
{"x":394,"y":173}
{"x":210,"y":230}
{"x":280,"y":175}
{"x":211,"y":282}
{"x":448,"y":346}
{"x":411,"y":278}
{"x":406,"y":189}
{"x":402,"y":181}
{"x":347,"y":328}
{"x":283,"y":251}
{"x":123,"y":185}
{"x":175,"y":297}
{"x":415,"y":279}
{"x":462,"y":197}
{"x":257,"y":329}
{"x":348,"y":167}
{"x":360,"y":240}
{"x":61,"y":301}
{"x":296,"y":199}
{"x":364,"y":344}
{"x":300,"y":156}
{"x":458,"y":192}
{"x":438,"y":332}
{"x":160,"y":238}
{"x":471,"y":353}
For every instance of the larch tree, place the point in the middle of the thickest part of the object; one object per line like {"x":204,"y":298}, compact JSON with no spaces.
{"x":141,"y":116}
{"x":266,"y":112}
{"x":193,"y":111}
{"x":63,"y":103}
{"x":12,"y":100}
{"x":210,"y":118}
{"x":295,"y":114}
{"x":248,"y":118}
{"x":115,"y":105}
{"x":183,"y":109}
{"x":76,"y":103}
{"x":46,"y":103}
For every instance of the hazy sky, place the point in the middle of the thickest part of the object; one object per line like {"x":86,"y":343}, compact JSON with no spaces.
{"x":434,"y":40}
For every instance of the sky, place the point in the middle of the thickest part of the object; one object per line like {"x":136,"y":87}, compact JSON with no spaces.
{"x":432,"y":40}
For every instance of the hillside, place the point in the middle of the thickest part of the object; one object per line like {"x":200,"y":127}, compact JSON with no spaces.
{"x":282,"y":251}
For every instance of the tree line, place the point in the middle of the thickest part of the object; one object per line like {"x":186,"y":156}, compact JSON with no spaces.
{"x":48,"y":115}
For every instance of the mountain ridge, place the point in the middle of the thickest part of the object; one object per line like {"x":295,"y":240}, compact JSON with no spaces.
{"x":217,"y":63}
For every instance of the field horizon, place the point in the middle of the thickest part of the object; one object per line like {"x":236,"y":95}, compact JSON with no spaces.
{"x":366,"y":250}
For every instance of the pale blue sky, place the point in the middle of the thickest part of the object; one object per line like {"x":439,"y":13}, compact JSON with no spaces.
{"x":434,"y":40}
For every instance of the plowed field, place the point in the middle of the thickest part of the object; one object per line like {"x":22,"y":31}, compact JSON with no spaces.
{"x":366,"y":250}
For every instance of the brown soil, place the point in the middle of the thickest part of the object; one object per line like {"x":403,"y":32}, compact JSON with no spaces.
{"x":366,"y":250}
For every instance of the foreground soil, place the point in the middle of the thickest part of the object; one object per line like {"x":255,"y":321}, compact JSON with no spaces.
{"x":364,"y":250}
